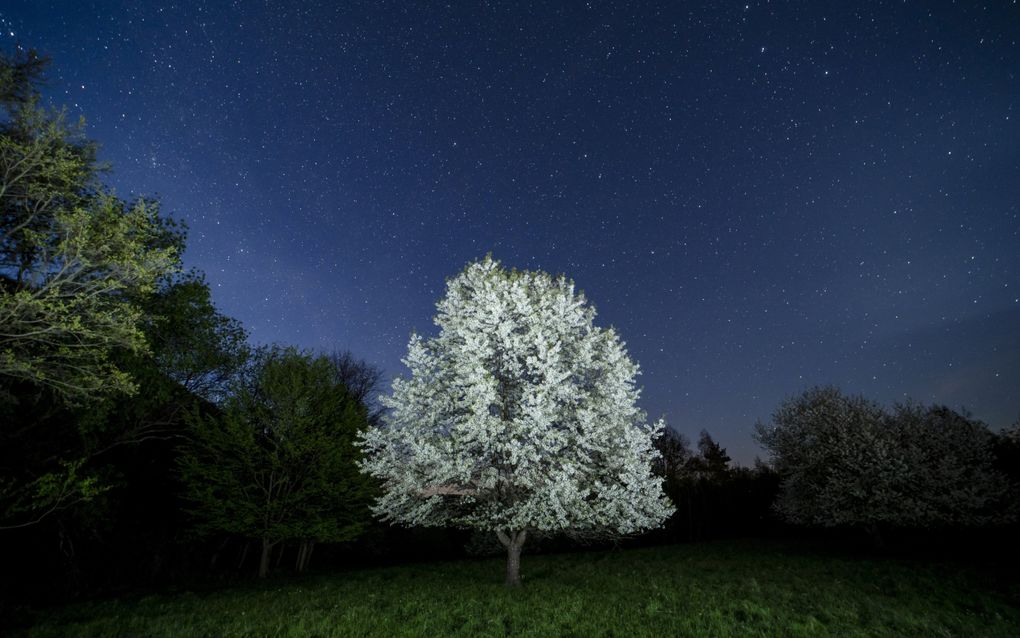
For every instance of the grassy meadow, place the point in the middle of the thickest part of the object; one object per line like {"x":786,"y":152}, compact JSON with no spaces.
{"x":709,"y":589}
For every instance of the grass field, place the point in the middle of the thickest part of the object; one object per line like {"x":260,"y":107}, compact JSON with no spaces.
{"x":709,"y":589}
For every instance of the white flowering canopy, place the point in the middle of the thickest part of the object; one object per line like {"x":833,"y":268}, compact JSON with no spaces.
{"x":519,"y":415}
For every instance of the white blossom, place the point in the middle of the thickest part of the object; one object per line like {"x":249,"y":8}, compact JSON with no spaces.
{"x":520,"y":415}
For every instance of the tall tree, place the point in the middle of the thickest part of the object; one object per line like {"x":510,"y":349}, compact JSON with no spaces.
{"x":86,"y":317}
{"x":280,"y":463}
{"x":362,"y":380}
{"x":676,"y":466}
{"x":71,"y":254}
{"x":520,"y":415}
{"x":713,"y":460}
{"x":192,"y":342}
{"x":74,"y":262}
{"x":674,"y":455}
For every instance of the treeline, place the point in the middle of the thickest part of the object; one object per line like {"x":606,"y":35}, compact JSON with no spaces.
{"x":850,"y":466}
{"x":713,"y":498}
{"x":846,"y":461}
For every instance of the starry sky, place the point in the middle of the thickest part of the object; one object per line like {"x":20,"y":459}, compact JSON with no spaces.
{"x":760,"y":197}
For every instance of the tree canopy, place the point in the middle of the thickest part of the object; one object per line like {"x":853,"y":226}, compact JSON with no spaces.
{"x":78,"y":267}
{"x":280,"y":463}
{"x":520,"y":415}
{"x":72,"y":256}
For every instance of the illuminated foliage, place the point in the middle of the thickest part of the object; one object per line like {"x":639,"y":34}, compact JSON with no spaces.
{"x":520,"y":415}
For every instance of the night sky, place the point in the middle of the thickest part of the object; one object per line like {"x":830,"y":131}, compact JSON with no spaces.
{"x":760,"y":197}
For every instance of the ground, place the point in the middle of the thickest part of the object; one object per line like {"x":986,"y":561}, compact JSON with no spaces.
{"x":708,"y":589}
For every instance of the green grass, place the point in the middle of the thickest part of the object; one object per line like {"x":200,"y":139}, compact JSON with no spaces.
{"x":709,"y":589}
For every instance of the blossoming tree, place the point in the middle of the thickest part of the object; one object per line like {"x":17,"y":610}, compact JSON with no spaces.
{"x":519,"y":416}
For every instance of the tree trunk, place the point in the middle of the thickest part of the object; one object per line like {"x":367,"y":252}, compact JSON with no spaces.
{"x":308,"y":555}
{"x":690,"y":516}
{"x":300,"y":557}
{"x":304,"y":555}
{"x":216,"y":554}
{"x":513,"y":543}
{"x":513,"y":565}
{"x":875,"y":533}
{"x":244,"y":554}
{"x":267,"y":550}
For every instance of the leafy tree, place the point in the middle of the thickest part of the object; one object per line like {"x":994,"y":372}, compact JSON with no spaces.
{"x":520,"y":415}
{"x":71,"y":254}
{"x":74,"y":263}
{"x":830,"y":450}
{"x":712,"y":459}
{"x":846,"y":461}
{"x":82,"y":323}
{"x":20,"y":74}
{"x":676,"y":465}
{"x":279,"y":464}
{"x":194,"y":351}
{"x":361,"y":379}
{"x":192,"y":342}
{"x":951,"y":455}
{"x":674,"y":455}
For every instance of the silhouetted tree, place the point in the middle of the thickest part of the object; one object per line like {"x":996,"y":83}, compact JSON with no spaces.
{"x":712,"y":498}
{"x":952,"y":479}
{"x":362,"y":380}
{"x":1007,"y":451}
{"x":846,"y":461}
{"x":674,"y":454}
{"x":676,"y":467}
{"x":712,"y":458}
{"x":21,"y":74}
{"x":1007,"y":461}
{"x":192,"y":342}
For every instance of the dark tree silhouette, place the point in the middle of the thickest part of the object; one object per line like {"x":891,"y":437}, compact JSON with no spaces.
{"x":844,"y":460}
{"x":362,"y":380}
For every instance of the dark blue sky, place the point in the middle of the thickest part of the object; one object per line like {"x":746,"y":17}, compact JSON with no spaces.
{"x":761,"y":197}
